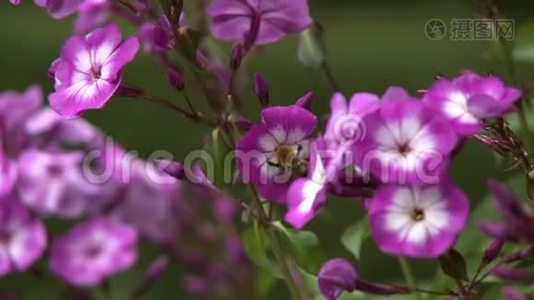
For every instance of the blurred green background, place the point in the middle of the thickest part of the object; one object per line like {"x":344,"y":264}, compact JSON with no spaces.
{"x":371,"y":44}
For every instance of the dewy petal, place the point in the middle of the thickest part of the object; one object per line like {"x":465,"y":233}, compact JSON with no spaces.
{"x":444,"y":209}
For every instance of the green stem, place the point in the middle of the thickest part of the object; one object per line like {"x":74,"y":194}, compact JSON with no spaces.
{"x":285,"y":260}
{"x":286,"y":264}
{"x":408,"y":275}
{"x":332,"y":82}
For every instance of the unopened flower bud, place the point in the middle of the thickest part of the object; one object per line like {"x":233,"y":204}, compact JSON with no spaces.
{"x":129,"y":91}
{"x":492,"y":251}
{"x":261,"y":89}
{"x":381,"y":289}
{"x":175,"y":78}
{"x":513,"y":294}
{"x":335,"y":277}
{"x":237,"y":56}
{"x":494,"y":230}
{"x":172,"y":168}
{"x":513,"y":274}
{"x":243,"y":124}
{"x":305,"y":101}
{"x":157,"y":267}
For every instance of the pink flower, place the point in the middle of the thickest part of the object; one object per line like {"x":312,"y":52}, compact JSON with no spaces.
{"x":405,"y":142}
{"x":272,"y":153}
{"x":257,"y":22}
{"x":89,"y":70}
{"x":93,"y":251}
{"x":417,"y":221}
{"x":469,"y":98}
{"x":22,"y":238}
{"x":53,"y":183}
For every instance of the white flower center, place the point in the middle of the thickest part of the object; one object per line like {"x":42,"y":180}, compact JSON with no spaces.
{"x":417,"y":214}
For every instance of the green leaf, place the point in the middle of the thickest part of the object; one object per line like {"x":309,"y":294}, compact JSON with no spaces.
{"x":258,"y":249}
{"x":523,"y":47}
{"x":304,"y":245}
{"x":264,"y":283}
{"x":354,"y":236}
{"x":310,"y":52}
{"x":453,"y":264}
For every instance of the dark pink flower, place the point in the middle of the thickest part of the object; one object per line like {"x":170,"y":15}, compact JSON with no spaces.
{"x":257,"y":22}
{"x":469,"y":98}
{"x":418,"y":221}
{"x":54,"y":183}
{"x":89,"y":71}
{"x":93,"y":251}
{"x":272,"y":153}
{"x":404,"y":142}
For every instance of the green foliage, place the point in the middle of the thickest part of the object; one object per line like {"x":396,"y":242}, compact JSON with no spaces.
{"x":523,"y":47}
{"x":310,"y":51}
{"x":258,"y":249}
{"x":354,"y":236}
{"x":453,"y":264}
{"x":304,"y":245}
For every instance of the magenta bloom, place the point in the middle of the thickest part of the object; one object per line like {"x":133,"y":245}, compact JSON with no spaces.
{"x":53,"y":183}
{"x":272,"y":153}
{"x":93,"y":251}
{"x":257,"y":22}
{"x":417,"y":221}
{"x":405,"y":143}
{"x":89,"y":70}
{"x":22,"y":238}
{"x":469,"y":98}
{"x":15,"y":2}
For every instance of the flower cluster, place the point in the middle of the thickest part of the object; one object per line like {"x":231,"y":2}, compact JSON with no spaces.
{"x":58,"y":168}
{"x":393,"y":151}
